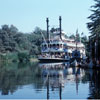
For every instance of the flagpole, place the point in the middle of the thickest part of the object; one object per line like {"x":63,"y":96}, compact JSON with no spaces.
{"x":76,"y":38}
{"x":80,"y":38}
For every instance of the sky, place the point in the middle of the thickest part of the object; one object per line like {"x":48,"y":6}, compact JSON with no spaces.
{"x":28,"y":14}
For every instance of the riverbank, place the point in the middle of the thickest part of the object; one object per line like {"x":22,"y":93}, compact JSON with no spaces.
{"x":17,"y":57}
{"x":34,"y":60}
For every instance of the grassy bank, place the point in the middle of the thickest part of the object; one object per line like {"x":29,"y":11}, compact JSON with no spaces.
{"x":9,"y":57}
{"x":22,"y":56}
{"x":34,"y":60}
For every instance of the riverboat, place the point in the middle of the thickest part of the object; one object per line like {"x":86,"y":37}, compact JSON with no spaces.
{"x":58,"y":48}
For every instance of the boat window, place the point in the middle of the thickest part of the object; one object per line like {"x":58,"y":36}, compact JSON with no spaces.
{"x":57,"y":46}
{"x":60,"y":45}
{"x":50,"y":45}
{"x":54,"y":45}
{"x":65,"y":53}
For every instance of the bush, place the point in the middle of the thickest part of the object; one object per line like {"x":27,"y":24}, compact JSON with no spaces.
{"x":12,"y":56}
{"x":23,"y":56}
{"x":9,"y":57}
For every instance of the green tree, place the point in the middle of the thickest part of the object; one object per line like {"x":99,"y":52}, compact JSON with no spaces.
{"x":72,"y":36}
{"x":11,"y":40}
{"x":95,"y":17}
{"x":94,"y":28}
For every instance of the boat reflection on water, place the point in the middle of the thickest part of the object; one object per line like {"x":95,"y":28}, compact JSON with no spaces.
{"x":56,"y":75}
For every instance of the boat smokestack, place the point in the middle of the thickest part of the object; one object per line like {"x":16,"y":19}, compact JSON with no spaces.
{"x":60,"y":19}
{"x":48,"y":36}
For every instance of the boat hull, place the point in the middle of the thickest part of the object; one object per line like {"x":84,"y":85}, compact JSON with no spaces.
{"x":52,"y":60}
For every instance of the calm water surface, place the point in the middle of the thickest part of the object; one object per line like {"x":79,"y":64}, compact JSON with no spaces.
{"x":48,"y":81}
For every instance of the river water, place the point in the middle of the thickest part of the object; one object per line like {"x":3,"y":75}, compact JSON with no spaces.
{"x":48,"y":81}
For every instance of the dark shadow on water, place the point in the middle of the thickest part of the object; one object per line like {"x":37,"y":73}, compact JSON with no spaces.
{"x":94,"y":86}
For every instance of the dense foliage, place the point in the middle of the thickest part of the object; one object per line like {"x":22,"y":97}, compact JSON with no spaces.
{"x":94,"y":28}
{"x":94,"y":25}
{"x":11,"y":40}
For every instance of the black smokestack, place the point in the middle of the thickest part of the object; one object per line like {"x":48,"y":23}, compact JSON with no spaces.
{"x":48,"y":36}
{"x":60,"y":26}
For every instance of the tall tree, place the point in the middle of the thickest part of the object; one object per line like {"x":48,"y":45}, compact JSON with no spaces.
{"x":95,"y":17}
